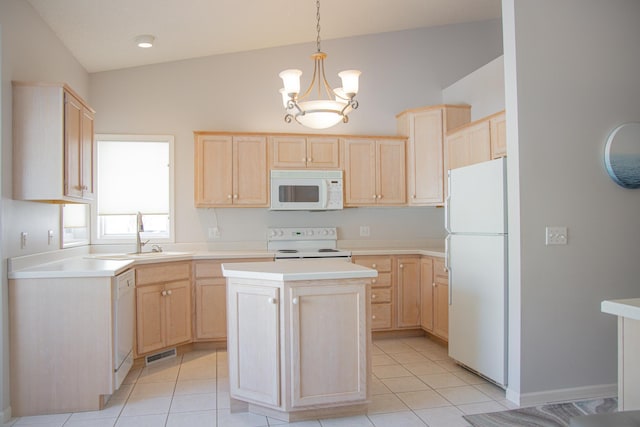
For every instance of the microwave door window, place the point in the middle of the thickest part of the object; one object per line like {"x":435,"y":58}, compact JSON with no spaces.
{"x":298,"y":193}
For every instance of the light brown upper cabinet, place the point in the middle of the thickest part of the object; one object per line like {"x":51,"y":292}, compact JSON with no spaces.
{"x":53,"y":144}
{"x":498,"y":125}
{"x":305,"y":152}
{"x":374,"y":172}
{"x":479,"y":141}
{"x":425,"y":129}
{"x":231,"y":170}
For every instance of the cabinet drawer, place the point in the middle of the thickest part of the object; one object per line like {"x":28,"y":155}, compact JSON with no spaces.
{"x":163,"y":273}
{"x":381,"y":295}
{"x":381,"y":316}
{"x":380,"y":263}
{"x":439,"y":270}
{"x":382,"y":281}
{"x":208,"y":269}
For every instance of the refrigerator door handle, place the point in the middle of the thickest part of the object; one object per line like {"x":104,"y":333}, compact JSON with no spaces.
{"x":447,"y":219}
{"x":447,"y":264}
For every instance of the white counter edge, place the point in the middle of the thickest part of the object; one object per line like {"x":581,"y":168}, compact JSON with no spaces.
{"x":629,"y":308}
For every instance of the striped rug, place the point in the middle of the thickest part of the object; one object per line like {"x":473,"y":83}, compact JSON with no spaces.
{"x":550,"y":415}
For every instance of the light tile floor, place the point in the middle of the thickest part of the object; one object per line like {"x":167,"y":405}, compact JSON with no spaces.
{"x":414,"y":383}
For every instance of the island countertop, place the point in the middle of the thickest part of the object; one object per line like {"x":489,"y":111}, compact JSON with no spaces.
{"x":292,"y":270}
{"x":622,"y":307}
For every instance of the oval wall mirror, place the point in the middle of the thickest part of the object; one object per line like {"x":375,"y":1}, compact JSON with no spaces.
{"x":622,"y":155}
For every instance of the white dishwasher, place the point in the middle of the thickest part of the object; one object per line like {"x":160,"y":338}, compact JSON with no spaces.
{"x":124,"y":322}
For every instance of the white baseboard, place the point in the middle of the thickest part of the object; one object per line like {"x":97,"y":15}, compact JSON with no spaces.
{"x":5,"y":416}
{"x":561,"y":395}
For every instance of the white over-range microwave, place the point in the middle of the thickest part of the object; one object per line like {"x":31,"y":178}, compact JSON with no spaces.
{"x":306,"y":190}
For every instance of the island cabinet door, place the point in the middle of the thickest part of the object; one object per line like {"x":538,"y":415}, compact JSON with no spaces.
{"x":253,"y":343}
{"x":329,"y":335}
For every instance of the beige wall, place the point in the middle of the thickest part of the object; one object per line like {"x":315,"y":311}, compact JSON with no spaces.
{"x":239,"y":92}
{"x":571,"y":77}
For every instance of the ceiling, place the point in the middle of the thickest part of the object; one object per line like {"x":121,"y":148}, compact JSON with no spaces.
{"x":101,"y":33}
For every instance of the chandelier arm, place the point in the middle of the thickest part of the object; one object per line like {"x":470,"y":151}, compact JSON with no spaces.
{"x":327,"y":87}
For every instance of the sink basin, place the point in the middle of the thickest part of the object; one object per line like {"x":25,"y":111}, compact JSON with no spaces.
{"x":143,"y":255}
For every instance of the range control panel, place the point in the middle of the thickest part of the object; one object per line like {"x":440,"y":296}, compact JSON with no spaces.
{"x":302,"y":233}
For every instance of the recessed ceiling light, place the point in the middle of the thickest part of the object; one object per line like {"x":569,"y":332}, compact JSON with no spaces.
{"x":145,"y":41}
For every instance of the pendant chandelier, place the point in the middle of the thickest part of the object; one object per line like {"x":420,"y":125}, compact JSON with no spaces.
{"x":331,"y":105}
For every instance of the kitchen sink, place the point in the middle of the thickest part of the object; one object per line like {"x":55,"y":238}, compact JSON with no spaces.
{"x":143,"y":255}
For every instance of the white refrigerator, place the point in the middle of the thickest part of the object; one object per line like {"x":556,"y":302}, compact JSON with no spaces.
{"x":476,"y":257}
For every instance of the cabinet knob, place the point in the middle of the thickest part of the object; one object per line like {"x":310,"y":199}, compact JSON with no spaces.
{"x":304,"y":159}
{"x":228,"y":196}
{"x":379,"y":196}
{"x":373,"y":317}
{"x":163,"y":293}
{"x":235,"y":196}
{"x":374,"y":265}
{"x":272,"y":301}
{"x":375,"y":196}
{"x":373,"y":280}
{"x":309,"y":159}
{"x":401,"y":265}
{"x":294,"y":301}
{"x":373,"y":296}
{"x":413,"y":197}
{"x":433,"y":284}
{"x":169,"y":292}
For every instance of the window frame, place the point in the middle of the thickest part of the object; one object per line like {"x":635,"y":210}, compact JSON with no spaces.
{"x":96,"y":238}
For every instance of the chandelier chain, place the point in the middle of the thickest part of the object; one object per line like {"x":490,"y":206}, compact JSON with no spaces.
{"x":318,"y":24}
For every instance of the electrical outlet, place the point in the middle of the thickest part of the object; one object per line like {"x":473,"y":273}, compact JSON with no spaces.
{"x":365,"y":231}
{"x":556,"y":236}
{"x":23,"y":239}
{"x":214,"y":233}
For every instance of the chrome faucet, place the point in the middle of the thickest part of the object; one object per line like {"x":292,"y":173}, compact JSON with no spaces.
{"x":139,"y":229}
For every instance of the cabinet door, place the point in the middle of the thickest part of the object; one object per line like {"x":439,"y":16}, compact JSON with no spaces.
{"x":360,"y":172}
{"x":331,"y":367}
{"x":425,"y":158}
{"x":149,"y":318}
{"x":254,"y":325}
{"x":72,"y":146}
{"x":211,"y":309}
{"x":426,"y":294}
{"x":479,"y":142}
{"x":390,"y":167}
{"x":213,"y":170}
{"x":323,"y":153}
{"x":87,"y":155}
{"x":498,"y":126}
{"x":408,"y":292}
{"x":289,"y":152}
{"x":441,"y":299}
{"x":177,"y":311}
{"x":250,"y":171}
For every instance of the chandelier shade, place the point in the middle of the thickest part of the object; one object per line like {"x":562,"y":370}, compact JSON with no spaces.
{"x":331,"y":106}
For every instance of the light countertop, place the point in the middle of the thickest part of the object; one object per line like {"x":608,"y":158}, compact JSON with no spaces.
{"x":78,"y":264}
{"x":622,"y":307}
{"x":292,"y":270}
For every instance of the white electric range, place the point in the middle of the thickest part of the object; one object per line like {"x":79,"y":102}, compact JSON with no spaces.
{"x":305,"y":242}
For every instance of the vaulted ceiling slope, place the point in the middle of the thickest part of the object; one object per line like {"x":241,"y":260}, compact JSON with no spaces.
{"x":101,"y":33}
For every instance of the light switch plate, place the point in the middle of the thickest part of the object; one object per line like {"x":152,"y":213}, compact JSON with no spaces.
{"x":556,"y":236}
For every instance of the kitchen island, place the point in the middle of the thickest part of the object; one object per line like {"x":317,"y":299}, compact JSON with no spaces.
{"x":299,"y":337}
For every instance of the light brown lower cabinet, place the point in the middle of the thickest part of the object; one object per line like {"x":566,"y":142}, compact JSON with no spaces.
{"x":427,"y":286}
{"x":440,"y":299}
{"x":381,"y":290}
{"x":408,"y":281}
{"x":163,"y":306}
{"x":210,"y":299}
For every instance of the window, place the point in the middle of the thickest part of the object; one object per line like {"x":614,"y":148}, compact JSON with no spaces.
{"x":134,"y":174}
